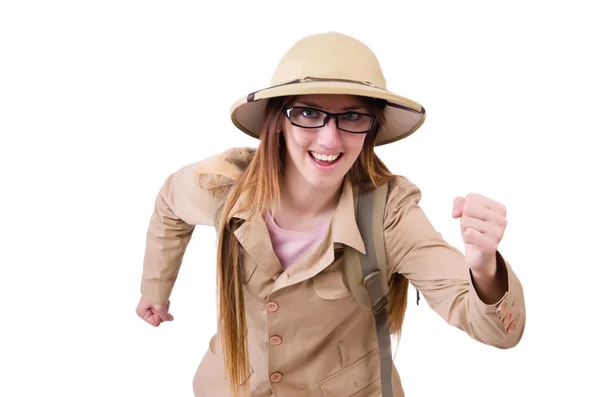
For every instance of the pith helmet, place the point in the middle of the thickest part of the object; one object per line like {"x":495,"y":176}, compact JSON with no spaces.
{"x":331,"y":63}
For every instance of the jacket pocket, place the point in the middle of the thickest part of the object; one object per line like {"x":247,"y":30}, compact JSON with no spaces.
{"x":330,"y":285}
{"x":353,"y":379}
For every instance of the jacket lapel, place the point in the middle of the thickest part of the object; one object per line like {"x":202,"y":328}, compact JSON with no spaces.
{"x":343,"y":230}
{"x":254,"y":237}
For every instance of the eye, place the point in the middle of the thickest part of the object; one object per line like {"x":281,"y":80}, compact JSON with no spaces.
{"x":309,"y":113}
{"x":351,"y":116}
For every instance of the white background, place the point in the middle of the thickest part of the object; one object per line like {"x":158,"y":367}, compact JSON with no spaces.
{"x":101,"y":101}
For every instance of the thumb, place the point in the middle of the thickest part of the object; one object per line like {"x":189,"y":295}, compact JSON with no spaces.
{"x":162,"y":312}
{"x":457,"y":208}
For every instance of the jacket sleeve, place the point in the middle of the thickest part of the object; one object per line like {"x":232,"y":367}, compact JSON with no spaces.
{"x":438,"y":271}
{"x":182,"y":202}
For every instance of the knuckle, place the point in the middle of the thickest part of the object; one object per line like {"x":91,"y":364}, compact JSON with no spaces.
{"x":469,"y":233}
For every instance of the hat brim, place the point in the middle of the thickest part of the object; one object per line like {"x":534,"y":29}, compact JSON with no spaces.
{"x":403,"y":116}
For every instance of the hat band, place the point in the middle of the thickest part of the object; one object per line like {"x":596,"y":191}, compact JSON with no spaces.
{"x":309,"y":79}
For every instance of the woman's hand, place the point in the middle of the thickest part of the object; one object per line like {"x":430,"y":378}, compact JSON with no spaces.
{"x":482,"y":225}
{"x":153,"y":314}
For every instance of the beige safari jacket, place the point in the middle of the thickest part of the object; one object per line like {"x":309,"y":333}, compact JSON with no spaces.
{"x":307,"y":335}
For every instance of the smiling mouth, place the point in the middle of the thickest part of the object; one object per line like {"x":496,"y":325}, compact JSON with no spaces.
{"x":325,"y":160}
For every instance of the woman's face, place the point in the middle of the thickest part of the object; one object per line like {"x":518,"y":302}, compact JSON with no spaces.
{"x":322,"y":156}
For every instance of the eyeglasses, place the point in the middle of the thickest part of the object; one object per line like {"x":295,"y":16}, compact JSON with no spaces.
{"x":353,"y":122}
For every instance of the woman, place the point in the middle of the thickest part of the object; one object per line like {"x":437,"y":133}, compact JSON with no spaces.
{"x":288,"y":324}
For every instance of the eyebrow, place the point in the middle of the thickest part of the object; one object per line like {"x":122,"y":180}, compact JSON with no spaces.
{"x":313,"y":105}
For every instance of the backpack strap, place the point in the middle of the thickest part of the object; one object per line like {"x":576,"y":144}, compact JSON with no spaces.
{"x":367,"y":276}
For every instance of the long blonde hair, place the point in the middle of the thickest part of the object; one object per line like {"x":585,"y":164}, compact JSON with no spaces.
{"x":261,"y":179}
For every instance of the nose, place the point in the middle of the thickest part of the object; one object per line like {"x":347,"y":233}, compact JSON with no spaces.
{"x":329,"y":135}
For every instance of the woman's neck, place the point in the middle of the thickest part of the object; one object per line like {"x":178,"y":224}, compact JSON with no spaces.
{"x":304,"y":206}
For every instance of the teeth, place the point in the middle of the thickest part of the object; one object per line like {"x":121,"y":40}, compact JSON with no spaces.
{"x":323,"y":157}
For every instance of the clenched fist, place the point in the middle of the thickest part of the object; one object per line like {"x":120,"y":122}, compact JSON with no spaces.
{"x":153,"y":314}
{"x":482,"y":225}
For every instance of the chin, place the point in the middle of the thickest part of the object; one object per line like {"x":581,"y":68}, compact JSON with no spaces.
{"x":324,"y":182}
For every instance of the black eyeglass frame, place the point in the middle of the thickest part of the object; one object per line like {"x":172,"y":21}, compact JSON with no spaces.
{"x":328,"y":115}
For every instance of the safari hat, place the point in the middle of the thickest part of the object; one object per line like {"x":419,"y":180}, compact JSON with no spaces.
{"x":331,"y":63}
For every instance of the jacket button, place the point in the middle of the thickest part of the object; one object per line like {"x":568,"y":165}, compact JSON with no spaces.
{"x":272,"y":307}
{"x":275,"y":340}
{"x":276,"y":377}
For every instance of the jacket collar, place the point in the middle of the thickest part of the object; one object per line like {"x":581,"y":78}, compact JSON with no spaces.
{"x":253,"y":235}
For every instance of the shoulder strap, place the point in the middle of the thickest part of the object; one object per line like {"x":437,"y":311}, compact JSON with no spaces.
{"x":372,"y":290}
{"x":371,"y":207}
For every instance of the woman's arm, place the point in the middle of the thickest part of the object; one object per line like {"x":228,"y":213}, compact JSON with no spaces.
{"x":187,"y":198}
{"x":487,"y":304}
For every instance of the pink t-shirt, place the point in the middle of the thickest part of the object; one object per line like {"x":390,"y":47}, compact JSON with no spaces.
{"x":290,"y":245}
